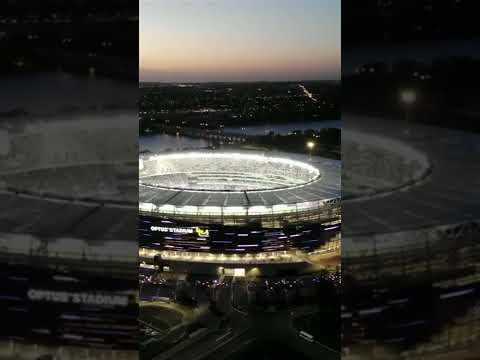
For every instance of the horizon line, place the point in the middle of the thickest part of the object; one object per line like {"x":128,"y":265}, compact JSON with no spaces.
{"x":236,"y":81}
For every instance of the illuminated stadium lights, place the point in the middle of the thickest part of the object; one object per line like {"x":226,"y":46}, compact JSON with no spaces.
{"x":258,"y":210}
{"x":408,"y":166}
{"x":209,"y":210}
{"x":68,"y":248}
{"x":236,"y":208}
{"x":147,"y":207}
{"x":233,"y":185}
{"x":270,"y":257}
{"x":231,"y":172}
{"x":281,"y":208}
{"x":231,"y":157}
{"x":233,"y":210}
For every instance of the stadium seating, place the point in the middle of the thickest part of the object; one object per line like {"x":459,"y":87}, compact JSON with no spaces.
{"x":225,"y":172}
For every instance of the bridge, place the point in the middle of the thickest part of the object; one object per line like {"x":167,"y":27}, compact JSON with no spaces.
{"x":208,"y":134}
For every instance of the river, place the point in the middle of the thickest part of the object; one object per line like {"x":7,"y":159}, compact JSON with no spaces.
{"x":284,"y":128}
{"x":161,"y":142}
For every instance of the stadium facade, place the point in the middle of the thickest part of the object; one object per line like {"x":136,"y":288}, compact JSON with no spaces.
{"x":236,"y":208}
{"x":68,"y":239}
{"x":409,"y":276}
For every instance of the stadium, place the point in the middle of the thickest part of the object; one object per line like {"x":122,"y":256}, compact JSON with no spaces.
{"x":410,"y":240}
{"x":237,"y":207}
{"x":68,"y":237}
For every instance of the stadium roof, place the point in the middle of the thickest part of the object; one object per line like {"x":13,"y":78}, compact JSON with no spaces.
{"x":445,"y":195}
{"x":256,"y":202}
{"x":66,"y":178}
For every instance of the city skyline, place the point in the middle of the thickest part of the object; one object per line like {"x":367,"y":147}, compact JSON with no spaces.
{"x":208,"y":41}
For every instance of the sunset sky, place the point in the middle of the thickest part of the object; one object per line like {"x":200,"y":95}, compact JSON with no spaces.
{"x":239,"y":40}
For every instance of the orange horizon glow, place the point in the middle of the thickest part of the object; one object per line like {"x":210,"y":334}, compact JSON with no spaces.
{"x":189,"y":41}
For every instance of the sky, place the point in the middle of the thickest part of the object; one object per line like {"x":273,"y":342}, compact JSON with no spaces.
{"x":239,"y":40}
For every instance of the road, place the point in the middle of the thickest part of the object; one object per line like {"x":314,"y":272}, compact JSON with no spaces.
{"x":200,"y":346}
{"x":307,"y":93}
{"x":242,"y":330}
{"x":274,"y":328}
{"x":259,"y":327}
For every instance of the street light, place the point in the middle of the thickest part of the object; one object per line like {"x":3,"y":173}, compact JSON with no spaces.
{"x":310,"y":146}
{"x":408,"y":97}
